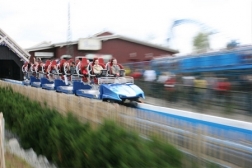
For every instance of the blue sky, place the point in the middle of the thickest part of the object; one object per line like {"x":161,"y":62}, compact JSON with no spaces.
{"x":30,"y":22}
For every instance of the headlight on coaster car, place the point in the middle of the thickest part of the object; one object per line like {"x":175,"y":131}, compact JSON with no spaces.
{"x":122,"y":96}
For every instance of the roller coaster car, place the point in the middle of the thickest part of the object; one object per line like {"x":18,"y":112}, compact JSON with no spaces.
{"x":30,"y":73}
{"x":78,"y":80}
{"x":113,"y":89}
{"x":55,"y":73}
{"x":45,"y":73}
{"x":26,"y":72}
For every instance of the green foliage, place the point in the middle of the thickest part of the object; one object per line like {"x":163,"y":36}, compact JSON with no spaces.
{"x":201,"y":42}
{"x":68,"y":143}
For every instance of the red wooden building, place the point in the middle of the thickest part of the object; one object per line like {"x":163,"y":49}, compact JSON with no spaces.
{"x":124,"y":49}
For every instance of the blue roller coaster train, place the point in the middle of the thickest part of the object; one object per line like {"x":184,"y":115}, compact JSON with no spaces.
{"x":56,"y":75}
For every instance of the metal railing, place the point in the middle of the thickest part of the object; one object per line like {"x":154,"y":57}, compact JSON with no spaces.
{"x":181,"y":96}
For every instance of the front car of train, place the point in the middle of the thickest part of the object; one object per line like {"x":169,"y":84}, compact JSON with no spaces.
{"x":114,"y":89}
{"x":108,"y":86}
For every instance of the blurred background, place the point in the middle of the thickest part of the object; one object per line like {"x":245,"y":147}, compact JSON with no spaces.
{"x":191,"y":55}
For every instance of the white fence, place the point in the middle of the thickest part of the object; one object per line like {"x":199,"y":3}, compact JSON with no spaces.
{"x":2,"y":160}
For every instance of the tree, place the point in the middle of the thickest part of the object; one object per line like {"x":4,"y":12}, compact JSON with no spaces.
{"x":232,"y":44}
{"x":201,"y":42}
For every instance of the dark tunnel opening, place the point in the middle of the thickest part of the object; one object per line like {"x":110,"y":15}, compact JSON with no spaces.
{"x":9,"y":69}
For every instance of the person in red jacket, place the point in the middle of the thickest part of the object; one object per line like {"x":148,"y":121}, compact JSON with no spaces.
{"x":223,"y":87}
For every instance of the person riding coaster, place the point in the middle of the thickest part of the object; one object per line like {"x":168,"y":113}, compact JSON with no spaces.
{"x":44,"y":67}
{"x":26,"y":70}
{"x":66,"y":71}
{"x":115,"y":69}
{"x":37,"y":67}
{"x":96,"y":69}
{"x":60,"y":68}
{"x":33,"y":69}
{"x":51,"y":70}
{"x":82,"y":70}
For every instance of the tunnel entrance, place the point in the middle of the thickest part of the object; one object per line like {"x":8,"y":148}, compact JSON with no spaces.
{"x":9,"y":69}
{"x":10,"y":64}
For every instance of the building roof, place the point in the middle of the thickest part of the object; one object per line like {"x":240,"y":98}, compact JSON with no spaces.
{"x":103,"y":33}
{"x":12,"y":45}
{"x":44,"y":43}
{"x":103,"y":37}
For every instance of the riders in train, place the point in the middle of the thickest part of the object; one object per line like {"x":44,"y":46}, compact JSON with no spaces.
{"x":115,"y":68}
{"x":72,"y":68}
{"x":38,"y":65}
{"x":53,"y":67}
{"x":97,"y":68}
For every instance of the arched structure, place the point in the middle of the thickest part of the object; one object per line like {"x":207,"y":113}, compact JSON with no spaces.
{"x":190,"y":21}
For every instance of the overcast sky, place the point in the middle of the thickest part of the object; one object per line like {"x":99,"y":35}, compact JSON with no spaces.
{"x":30,"y":22}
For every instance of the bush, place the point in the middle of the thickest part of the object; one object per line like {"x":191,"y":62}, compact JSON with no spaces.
{"x":68,"y":143}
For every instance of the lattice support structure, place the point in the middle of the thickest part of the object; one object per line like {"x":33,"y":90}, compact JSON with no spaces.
{"x":8,"y":42}
{"x":69,"y":46}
